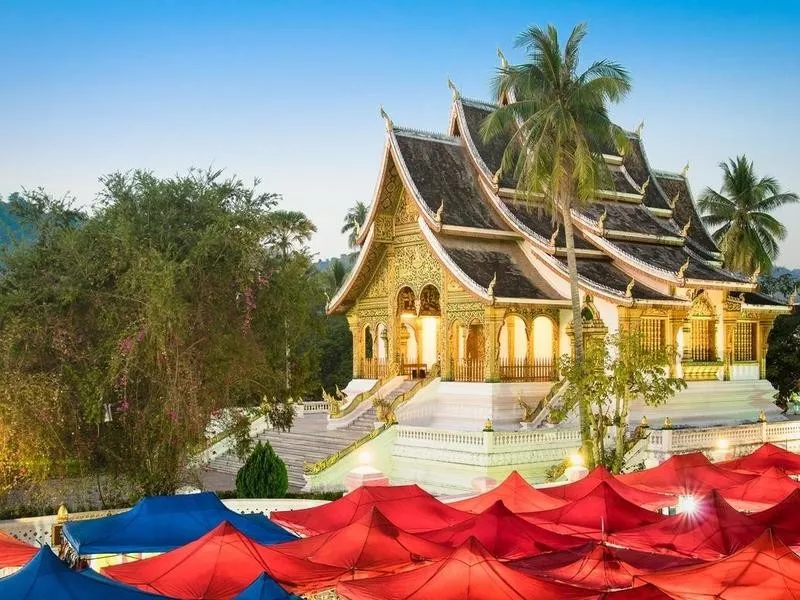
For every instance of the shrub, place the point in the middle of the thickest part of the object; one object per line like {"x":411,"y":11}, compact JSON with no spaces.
{"x":263,"y":475}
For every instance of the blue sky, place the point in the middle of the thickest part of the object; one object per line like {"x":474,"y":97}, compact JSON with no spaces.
{"x":289,"y":91}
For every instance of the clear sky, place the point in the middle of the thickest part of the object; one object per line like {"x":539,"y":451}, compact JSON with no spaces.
{"x":289,"y":91}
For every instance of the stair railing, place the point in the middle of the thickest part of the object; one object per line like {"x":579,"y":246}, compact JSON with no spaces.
{"x":337,"y":411}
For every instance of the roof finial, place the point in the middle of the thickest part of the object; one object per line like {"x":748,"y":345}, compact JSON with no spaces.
{"x":685,"y":230}
{"x":555,"y":234}
{"x":490,"y":289}
{"x":438,"y":216}
{"x":639,"y":129}
{"x":793,"y":297}
{"x":674,"y":202}
{"x":685,"y":170}
{"x":496,"y":179}
{"x":682,"y":270}
{"x":629,"y":289}
{"x":601,"y":222}
{"x":645,"y":184}
{"x":386,"y":119}
{"x":357,"y":227}
{"x":756,"y":273}
{"x":502,"y":57}
{"x":453,"y":88}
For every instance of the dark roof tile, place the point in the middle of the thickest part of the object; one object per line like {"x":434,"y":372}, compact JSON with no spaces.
{"x":685,"y":210}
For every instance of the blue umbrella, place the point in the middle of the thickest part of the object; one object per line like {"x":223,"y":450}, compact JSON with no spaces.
{"x":265,"y":588}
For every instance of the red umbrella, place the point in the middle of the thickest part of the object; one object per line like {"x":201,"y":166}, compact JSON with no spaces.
{"x":598,"y":566}
{"x":764,"y":570}
{"x":645,"y":592}
{"x":504,"y":534}
{"x":408,"y":506}
{"x":218,"y":565}
{"x":14,"y":553}
{"x":469,"y":573}
{"x":517,"y":494}
{"x":578,"y":489}
{"x":763,"y":491}
{"x":783,"y":519}
{"x":767,"y":455}
{"x":685,"y":474}
{"x":600,"y":512}
{"x":711,"y":530}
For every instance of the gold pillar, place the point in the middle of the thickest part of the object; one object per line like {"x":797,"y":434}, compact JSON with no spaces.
{"x":511,"y":338}
{"x":353,"y":324}
{"x":493,"y":322}
{"x":673,"y":326}
{"x":762,"y":335}
{"x":729,"y":318}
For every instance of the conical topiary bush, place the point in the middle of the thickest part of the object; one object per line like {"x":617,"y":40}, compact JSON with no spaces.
{"x":263,"y":475}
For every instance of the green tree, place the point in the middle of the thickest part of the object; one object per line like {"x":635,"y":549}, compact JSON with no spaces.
{"x":558,"y":121}
{"x":745,"y":231}
{"x":336,"y":274}
{"x":782,"y":286}
{"x":354,"y":221}
{"x":614,"y":373}
{"x":161,"y":308}
{"x":783,"y":357}
{"x":263,"y":475}
{"x":290,"y":231}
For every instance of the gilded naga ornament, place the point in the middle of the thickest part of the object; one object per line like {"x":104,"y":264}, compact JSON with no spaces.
{"x":682,"y":270}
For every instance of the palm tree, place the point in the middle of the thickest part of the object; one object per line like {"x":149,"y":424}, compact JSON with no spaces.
{"x":558,"y":120}
{"x":353,"y":222}
{"x":337,"y":272}
{"x":290,"y":229}
{"x":746,"y":233}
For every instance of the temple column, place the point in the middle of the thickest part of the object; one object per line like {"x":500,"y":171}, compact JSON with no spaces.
{"x":729,"y":319}
{"x":511,"y":339}
{"x":674,"y":325}
{"x":493,"y":322}
{"x":762,"y":336}
{"x":353,"y":324}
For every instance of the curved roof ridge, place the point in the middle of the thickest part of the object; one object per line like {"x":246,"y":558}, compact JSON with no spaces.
{"x":479,"y":103}
{"x":669,"y":174}
{"x":738,"y":276}
{"x":426,"y":134}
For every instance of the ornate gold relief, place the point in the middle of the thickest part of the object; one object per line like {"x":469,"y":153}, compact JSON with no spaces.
{"x":406,"y":211}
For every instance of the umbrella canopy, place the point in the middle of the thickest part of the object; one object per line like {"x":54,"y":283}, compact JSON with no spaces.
{"x":766,"y":569}
{"x":763,"y":491}
{"x":265,"y":588}
{"x":469,"y":573}
{"x":14,"y":553}
{"x":645,"y":592}
{"x":163,"y":523}
{"x":370,"y":546}
{"x":409,"y":507}
{"x":518,"y":495}
{"x":46,"y":577}
{"x":685,"y":474}
{"x":783,"y":519}
{"x":767,"y":456}
{"x":712,"y":530}
{"x":219,"y":565}
{"x":600,"y":512}
{"x":504,"y":534}
{"x":569,"y":492}
{"x":598,"y":566}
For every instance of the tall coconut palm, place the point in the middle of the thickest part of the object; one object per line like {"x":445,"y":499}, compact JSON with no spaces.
{"x":745,"y":231}
{"x":354,"y":221}
{"x":558,"y":121}
{"x":291,"y":229}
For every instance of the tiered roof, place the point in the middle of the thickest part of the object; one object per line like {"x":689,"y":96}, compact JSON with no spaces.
{"x":643,"y":231}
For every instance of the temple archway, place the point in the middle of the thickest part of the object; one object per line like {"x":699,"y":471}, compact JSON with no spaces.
{"x":368,"y":343}
{"x":382,"y":342}
{"x":543,"y":335}
{"x":513,"y":339}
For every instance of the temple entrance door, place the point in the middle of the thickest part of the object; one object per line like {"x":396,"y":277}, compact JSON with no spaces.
{"x":429,"y":321}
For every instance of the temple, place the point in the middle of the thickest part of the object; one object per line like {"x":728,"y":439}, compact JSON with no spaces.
{"x":459,"y":278}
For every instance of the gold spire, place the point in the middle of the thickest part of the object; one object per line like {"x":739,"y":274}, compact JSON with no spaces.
{"x":645,"y":184}
{"x":555,"y":234}
{"x":756,"y":273}
{"x":386,"y":119}
{"x":682,"y":270}
{"x":438,"y":216}
{"x":793,"y":297}
{"x":639,"y":129}
{"x":685,"y":230}
{"x":453,"y":88}
{"x":490,"y":289}
{"x":629,"y":289}
{"x":601,"y":222}
{"x":496,"y":179}
{"x":685,"y":170}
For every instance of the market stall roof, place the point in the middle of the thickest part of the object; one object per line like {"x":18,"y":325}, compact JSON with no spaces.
{"x":518,"y":495}
{"x":765,"y":457}
{"x":45,"y":576}
{"x":469,"y":573}
{"x":162,"y":523}
{"x":712,"y":529}
{"x":576,"y":490}
{"x":766,"y":569}
{"x":14,"y":553}
{"x":370,"y":546}
{"x":265,"y":588}
{"x":783,"y":519}
{"x":685,"y":474}
{"x":598,"y":566}
{"x":409,"y":507}
{"x":601,"y":512}
{"x":218,"y":565}
{"x":504,"y":534}
{"x":762,"y":492}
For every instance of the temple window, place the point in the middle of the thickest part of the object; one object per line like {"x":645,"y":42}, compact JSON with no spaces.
{"x":744,"y":341}
{"x":653,"y":331}
{"x":703,"y":347}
